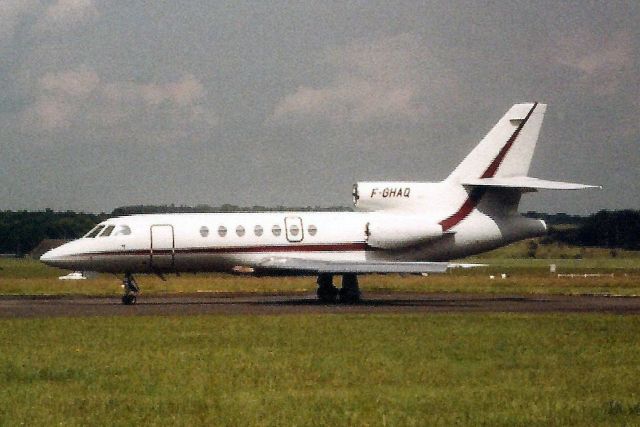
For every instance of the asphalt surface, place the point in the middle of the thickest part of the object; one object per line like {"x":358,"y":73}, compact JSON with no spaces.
{"x":264,"y":304}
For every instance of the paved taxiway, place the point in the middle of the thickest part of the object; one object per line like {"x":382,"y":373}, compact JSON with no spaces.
{"x":251,"y":304}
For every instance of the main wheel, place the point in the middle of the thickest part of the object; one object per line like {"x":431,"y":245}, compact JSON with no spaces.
{"x":349,"y":296}
{"x":328,"y":294}
{"x":350,"y":291}
{"x":326,"y":291}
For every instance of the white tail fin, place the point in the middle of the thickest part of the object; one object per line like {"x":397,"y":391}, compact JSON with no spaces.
{"x":507,"y":149}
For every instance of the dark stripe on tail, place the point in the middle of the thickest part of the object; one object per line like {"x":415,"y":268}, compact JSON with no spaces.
{"x":476,"y":193}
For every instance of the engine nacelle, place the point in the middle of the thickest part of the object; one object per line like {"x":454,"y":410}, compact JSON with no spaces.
{"x":374,"y":196}
{"x":387,"y":231}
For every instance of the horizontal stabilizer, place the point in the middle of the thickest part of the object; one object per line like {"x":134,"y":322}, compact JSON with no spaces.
{"x":305,"y":266}
{"x":525,"y":183}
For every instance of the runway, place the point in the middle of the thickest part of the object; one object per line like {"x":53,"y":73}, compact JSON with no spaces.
{"x":269,"y":304}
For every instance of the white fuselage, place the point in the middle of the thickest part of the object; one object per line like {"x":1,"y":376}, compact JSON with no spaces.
{"x":235,"y":242}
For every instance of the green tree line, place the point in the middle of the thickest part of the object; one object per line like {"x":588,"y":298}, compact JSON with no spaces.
{"x":606,"y":229}
{"x":21,"y":231}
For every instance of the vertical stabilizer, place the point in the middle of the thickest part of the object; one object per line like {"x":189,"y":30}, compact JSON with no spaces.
{"x":507,"y":149}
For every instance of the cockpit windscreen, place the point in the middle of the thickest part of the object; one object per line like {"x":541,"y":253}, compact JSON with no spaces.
{"x":94,"y":232}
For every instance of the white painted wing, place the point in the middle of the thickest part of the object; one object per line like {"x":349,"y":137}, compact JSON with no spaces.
{"x":466,"y":265}
{"x":305,"y":266}
{"x":526,"y":183}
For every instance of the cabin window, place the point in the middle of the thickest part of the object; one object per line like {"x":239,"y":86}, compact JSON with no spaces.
{"x":276,"y":230}
{"x":107,"y":231}
{"x":294,"y":230}
{"x":222,"y":231}
{"x":258,"y":230}
{"x":240,"y":231}
{"x":123,"y":230}
{"x":93,"y":233}
{"x":312,"y":230}
{"x":204,"y":231}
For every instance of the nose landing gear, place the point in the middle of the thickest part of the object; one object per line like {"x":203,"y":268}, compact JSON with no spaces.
{"x":131,"y":289}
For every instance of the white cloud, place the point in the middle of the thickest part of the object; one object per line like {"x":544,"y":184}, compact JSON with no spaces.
{"x":183,"y":93}
{"x":59,"y":98}
{"x":388,"y":79}
{"x":57,"y":16}
{"x":73,"y":83}
{"x":62,"y":14}
{"x":79,"y":97}
{"x":603,"y":62}
{"x":11,"y":14}
{"x":51,"y":114}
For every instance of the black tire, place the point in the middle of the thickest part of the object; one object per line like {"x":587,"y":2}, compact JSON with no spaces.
{"x":349,"y":296}
{"x":350,"y":291}
{"x":128,"y":299}
{"x":327,"y":294}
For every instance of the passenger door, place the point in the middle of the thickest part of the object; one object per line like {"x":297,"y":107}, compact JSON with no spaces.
{"x":162,"y":250}
{"x":293,"y":227}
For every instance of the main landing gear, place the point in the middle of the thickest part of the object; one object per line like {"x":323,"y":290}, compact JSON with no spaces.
{"x":326,"y":291}
{"x":348,"y":294}
{"x":131,"y":289}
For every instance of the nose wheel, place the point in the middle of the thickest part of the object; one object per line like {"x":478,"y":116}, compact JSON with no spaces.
{"x":131,"y":290}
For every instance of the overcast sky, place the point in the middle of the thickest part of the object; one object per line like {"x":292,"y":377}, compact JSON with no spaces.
{"x":120,"y":102}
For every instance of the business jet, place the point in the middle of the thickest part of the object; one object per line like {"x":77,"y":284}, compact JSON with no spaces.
{"x":397,"y":227}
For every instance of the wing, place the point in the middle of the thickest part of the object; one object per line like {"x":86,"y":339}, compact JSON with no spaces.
{"x":298,"y":266}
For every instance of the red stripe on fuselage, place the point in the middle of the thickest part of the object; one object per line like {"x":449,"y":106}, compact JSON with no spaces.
{"x":336,"y":247}
{"x":476,"y":193}
{"x":467,"y":207}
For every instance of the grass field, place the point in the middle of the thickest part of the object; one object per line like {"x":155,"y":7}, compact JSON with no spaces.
{"x":429,"y":369}
{"x":321,"y":370}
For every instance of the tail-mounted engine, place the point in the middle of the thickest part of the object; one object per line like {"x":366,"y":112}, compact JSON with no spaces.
{"x":389,"y":231}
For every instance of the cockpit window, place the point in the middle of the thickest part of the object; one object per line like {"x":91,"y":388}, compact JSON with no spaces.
{"x":93,"y":233}
{"x":107,"y":231}
{"x":123,"y":230}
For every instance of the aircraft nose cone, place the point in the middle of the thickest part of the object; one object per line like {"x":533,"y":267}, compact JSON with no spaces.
{"x":65,"y":257}
{"x":57,"y":257}
{"x":49,"y":257}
